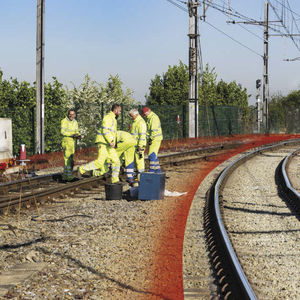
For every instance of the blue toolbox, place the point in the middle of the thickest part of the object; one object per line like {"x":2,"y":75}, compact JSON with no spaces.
{"x":152,"y":186}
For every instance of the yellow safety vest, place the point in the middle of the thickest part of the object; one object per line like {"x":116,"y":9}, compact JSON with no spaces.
{"x":68,"y":127}
{"x":138,"y":130}
{"x":125,"y":137}
{"x":154,"y":132}
{"x":108,"y":130}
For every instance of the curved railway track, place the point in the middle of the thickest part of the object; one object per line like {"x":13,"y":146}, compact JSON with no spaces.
{"x":222,"y":217}
{"x":58,"y":248}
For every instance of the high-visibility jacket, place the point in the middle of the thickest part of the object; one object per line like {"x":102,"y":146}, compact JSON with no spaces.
{"x":68,"y":127}
{"x":138,"y":130}
{"x":125,"y":139}
{"x":108,"y":130}
{"x":154,"y":131}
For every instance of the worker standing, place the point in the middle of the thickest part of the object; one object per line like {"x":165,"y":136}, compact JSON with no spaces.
{"x":69,"y":131}
{"x":106,"y":140}
{"x":138,"y":130}
{"x":154,"y":137}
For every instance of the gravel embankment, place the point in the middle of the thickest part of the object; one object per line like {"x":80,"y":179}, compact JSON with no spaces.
{"x":93,"y":248}
{"x":263,"y":230}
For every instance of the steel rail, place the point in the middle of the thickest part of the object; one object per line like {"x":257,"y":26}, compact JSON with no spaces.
{"x":162,"y":157}
{"x":247,"y":290}
{"x":287,"y":182}
{"x":5,"y":202}
{"x":19,"y":197}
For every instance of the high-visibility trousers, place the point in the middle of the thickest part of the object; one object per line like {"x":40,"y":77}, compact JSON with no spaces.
{"x":126,"y":150}
{"x":68,"y":145}
{"x":154,"y":166}
{"x":139,"y":161}
{"x":104,"y":152}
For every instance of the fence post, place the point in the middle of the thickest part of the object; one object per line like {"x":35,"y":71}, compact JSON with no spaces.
{"x":184,"y":120}
{"x":122,"y":116}
{"x":33,"y":130}
{"x":102,"y":112}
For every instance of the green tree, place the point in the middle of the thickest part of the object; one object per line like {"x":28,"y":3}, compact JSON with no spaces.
{"x":276,"y":113}
{"x":283,"y":112}
{"x":55,"y":111}
{"x":17,"y":100}
{"x":92,"y":100}
{"x":292,"y":99}
{"x":171,"y":88}
{"x":208,"y":94}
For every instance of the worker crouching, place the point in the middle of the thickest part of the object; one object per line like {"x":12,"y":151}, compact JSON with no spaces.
{"x":106,"y":141}
{"x":126,"y":144}
{"x":154,"y":137}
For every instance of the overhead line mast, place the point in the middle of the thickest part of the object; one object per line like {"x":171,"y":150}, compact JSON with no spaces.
{"x":266,"y":24}
{"x":266,"y":69}
{"x":40,"y":43}
{"x":193,"y":70}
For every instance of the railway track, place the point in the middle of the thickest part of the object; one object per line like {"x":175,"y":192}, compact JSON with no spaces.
{"x":92,"y":237}
{"x":238,"y":233}
{"x":41,"y":188}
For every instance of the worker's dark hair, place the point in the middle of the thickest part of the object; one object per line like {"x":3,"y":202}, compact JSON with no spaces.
{"x":71,"y":109}
{"x":114,"y":106}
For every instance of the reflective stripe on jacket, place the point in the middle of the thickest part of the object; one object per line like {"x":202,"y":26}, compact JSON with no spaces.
{"x":138,"y":130}
{"x":68,"y":127}
{"x":154,"y":132}
{"x":108,"y":130}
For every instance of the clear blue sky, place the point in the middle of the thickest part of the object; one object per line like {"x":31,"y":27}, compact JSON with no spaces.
{"x":138,"y":39}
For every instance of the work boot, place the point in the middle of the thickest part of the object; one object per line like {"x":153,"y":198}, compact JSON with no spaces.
{"x":79,"y":175}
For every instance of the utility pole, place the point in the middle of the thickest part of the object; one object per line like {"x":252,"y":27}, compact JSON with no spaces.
{"x":288,"y":28}
{"x":40,"y":43}
{"x":266,"y":70}
{"x":258,"y":105}
{"x":193,"y":76}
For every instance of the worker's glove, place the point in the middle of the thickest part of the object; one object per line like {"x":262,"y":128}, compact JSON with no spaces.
{"x":140,"y":151}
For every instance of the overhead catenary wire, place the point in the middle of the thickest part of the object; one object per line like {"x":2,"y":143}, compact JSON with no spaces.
{"x":233,"y":13}
{"x":177,"y":5}
{"x":241,"y":44}
{"x":287,"y":30}
{"x":284,"y":6}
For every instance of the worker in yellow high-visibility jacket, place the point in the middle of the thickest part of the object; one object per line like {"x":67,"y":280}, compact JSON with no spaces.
{"x":125,"y":149}
{"x":138,"y":130}
{"x":154,"y":136}
{"x":69,"y":131}
{"x":106,"y":140}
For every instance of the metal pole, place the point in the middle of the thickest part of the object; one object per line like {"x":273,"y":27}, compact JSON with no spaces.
{"x":193,"y":87}
{"x":258,"y":103}
{"x":40,"y":43}
{"x":266,"y":72}
{"x":196,"y":66}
